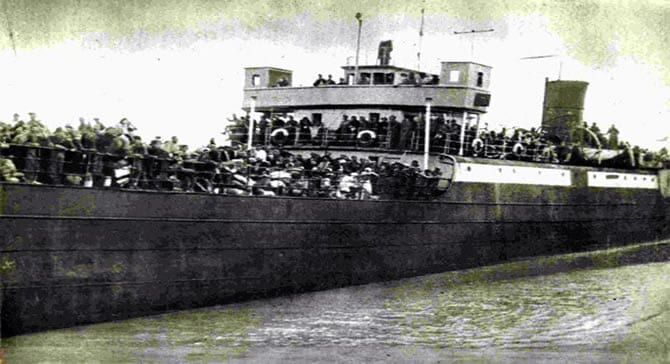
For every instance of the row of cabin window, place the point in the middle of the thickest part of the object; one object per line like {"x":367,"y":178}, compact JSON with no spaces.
{"x":379,"y":78}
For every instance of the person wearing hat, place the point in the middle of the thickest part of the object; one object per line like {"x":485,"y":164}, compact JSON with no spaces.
{"x":262,"y":186}
{"x":73,"y":136}
{"x":305,"y":133}
{"x":405,"y":133}
{"x":88,"y":135}
{"x":341,"y":130}
{"x":172,"y":146}
{"x":367,"y":179}
{"x":344,"y":188}
{"x":263,"y":128}
{"x":138,"y":151}
{"x":395,"y":128}
{"x":156,"y":148}
{"x":28,"y":135}
{"x":8,"y":172}
{"x":5,"y":135}
{"x":292,"y":128}
{"x":277,"y":123}
{"x":319,"y":81}
{"x":158,"y":166}
{"x":61,"y":142}
{"x":382,"y":129}
{"x":352,"y":130}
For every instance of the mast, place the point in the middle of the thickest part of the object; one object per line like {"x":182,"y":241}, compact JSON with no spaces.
{"x":359,"y":17}
{"x":418,"y":54}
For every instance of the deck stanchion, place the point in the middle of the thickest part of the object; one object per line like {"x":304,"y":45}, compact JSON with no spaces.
{"x":426,"y":140}
{"x":251,"y":122}
{"x":462,"y":139}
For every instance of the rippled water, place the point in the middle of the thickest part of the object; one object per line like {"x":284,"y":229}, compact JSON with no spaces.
{"x":505,"y":313}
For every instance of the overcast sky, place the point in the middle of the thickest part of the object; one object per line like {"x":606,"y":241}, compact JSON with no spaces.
{"x":176,"y":67}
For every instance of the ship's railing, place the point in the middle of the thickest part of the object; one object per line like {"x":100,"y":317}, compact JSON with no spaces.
{"x":89,"y":168}
{"x":527,"y":149}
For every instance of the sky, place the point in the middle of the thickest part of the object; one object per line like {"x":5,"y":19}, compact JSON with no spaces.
{"x":177,"y":67}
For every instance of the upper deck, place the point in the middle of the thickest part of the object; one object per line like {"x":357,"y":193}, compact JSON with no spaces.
{"x":460,"y":86}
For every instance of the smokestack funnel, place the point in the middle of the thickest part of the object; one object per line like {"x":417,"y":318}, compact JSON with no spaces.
{"x":563,"y":109}
{"x":384,"y":54}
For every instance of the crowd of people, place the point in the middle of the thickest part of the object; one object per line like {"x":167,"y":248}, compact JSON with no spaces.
{"x":320,"y":81}
{"x":95,"y":155}
{"x":410,"y":78}
{"x":115,"y":156}
{"x":445,"y":136}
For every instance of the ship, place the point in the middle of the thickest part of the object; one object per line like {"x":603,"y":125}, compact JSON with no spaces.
{"x":74,"y":255}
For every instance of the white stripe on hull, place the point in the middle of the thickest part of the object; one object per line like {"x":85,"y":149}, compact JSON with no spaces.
{"x":622,"y":180}
{"x":488,"y":173}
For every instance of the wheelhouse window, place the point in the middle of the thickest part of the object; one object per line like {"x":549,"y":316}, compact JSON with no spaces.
{"x":381,"y":78}
{"x":364,"y":78}
{"x":480,"y":79}
{"x":454,"y":76}
{"x":378,"y":78}
{"x":256,"y":80}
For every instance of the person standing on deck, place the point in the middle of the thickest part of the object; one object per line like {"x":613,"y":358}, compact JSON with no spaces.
{"x":319,"y":81}
{"x":613,"y":137}
{"x":342,"y":128}
{"x":394,"y":132}
{"x":405,"y":133}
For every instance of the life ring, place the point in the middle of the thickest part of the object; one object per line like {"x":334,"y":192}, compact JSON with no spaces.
{"x":366,"y":137}
{"x":518,"y":149}
{"x":477,"y":145}
{"x":279,"y":136}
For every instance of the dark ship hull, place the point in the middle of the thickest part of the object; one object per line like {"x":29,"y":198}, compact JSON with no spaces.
{"x":87,"y":255}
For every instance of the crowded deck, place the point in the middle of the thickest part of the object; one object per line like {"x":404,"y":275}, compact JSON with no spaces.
{"x":99,"y":156}
{"x":94,"y":155}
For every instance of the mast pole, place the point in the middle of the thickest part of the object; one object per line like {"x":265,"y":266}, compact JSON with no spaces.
{"x":359,"y":17}
{"x":418,"y":54}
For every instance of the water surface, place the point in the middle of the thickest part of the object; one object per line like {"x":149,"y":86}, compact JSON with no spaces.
{"x":512,"y":312}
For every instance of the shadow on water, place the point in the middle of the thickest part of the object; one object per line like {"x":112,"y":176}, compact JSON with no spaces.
{"x":603,"y":306}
